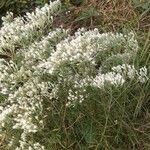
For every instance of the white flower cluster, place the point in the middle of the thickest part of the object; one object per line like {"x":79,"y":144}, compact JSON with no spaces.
{"x":17,"y":31}
{"x":130,"y":72}
{"x":87,"y":46}
{"x":119,"y":75}
{"x":75,"y":96}
{"x":111,"y":77}
{"x":39,"y":51}
{"x":51,"y":67}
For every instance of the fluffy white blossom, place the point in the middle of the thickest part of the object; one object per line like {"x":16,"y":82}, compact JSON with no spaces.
{"x":130,"y":72}
{"x":111,"y":77}
{"x":17,"y":31}
{"x":87,"y":45}
{"x":47,"y":66}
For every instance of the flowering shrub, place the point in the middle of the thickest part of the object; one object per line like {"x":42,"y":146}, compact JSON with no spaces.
{"x":47,"y":69}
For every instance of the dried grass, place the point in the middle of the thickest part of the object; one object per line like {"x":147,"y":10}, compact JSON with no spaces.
{"x":112,"y":15}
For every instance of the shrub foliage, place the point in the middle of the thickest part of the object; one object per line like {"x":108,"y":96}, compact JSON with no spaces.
{"x":59,"y":91}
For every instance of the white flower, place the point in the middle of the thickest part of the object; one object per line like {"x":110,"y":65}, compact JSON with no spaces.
{"x":47,"y":67}
{"x":112,"y":78}
{"x":142,"y":75}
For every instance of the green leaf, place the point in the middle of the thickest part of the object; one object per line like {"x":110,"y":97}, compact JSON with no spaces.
{"x":88,"y":13}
